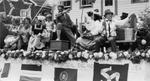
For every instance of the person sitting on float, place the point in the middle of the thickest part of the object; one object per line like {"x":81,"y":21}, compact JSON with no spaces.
{"x":92,"y":38}
{"x":111,"y":24}
{"x":110,"y":29}
{"x":19,"y":34}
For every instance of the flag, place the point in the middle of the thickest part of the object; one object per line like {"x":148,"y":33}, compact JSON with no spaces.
{"x":5,"y":71}
{"x":27,"y":78}
{"x":31,"y":72}
{"x":109,"y":72}
{"x":31,"y":67}
{"x":65,"y":74}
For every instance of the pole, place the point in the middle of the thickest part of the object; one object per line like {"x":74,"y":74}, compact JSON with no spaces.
{"x":39,"y":10}
{"x":82,"y":15}
{"x":4,"y":6}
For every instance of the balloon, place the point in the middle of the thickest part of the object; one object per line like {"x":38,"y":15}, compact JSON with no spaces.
{"x":143,"y":41}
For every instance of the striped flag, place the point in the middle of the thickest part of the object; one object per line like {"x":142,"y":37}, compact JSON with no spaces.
{"x":27,"y":78}
{"x":31,"y":67}
{"x":65,"y":74}
{"x":31,"y":72}
{"x":5,"y":70}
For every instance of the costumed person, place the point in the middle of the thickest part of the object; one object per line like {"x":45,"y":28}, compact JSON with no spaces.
{"x":64,"y":24}
{"x":12,"y":39}
{"x":49,"y":31}
{"x":92,"y":38}
{"x":127,"y":26}
{"x":50,"y":28}
{"x":22,"y":35}
{"x":25,"y":33}
{"x":35,"y":41}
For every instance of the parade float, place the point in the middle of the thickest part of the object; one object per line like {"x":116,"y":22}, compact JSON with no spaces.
{"x":72,"y":65}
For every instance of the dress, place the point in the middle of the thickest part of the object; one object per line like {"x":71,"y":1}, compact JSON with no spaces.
{"x":35,"y":40}
{"x":98,"y":39}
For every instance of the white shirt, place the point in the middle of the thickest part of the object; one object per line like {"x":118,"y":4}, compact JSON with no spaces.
{"x":112,"y":28}
{"x":97,"y":28}
{"x":49,"y":25}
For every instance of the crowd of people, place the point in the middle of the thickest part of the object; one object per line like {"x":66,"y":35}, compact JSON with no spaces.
{"x":24,"y":33}
{"x":101,"y":31}
{"x":92,"y":34}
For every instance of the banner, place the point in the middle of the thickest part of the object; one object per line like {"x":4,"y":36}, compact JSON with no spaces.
{"x":5,"y":71}
{"x":65,"y":74}
{"x":109,"y":72}
{"x":28,"y":70}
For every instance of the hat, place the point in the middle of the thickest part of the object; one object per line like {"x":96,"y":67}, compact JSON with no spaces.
{"x":41,"y":17}
{"x":108,"y":12}
{"x":96,"y":11}
{"x":62,"y":6}
{"x":48,"y":16}
{"x":90,"y":13}
{"x":97,"y":17}
{"x":124,"y":15}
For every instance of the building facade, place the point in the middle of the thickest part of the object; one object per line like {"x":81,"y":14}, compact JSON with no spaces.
{"x":80,"y":7}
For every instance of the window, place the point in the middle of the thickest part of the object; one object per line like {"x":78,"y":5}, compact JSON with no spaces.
{"x":139,"y":1}
{"x":67,"y":4}
{"x":86,"y":3}
{"x":108,"y":2}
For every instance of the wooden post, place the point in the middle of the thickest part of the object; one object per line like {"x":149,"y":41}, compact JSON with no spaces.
{"x":102,"y":7}
{"x":116,"y":7}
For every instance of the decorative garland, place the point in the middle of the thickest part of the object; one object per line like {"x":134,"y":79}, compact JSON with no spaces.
{"x":63,"y":56}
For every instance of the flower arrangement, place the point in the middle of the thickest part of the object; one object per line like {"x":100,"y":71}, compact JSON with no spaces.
{"x":63,"y":56}
{"x":145,"y":16}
